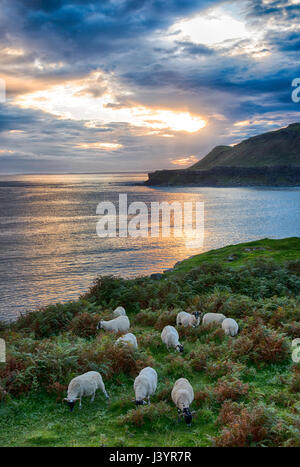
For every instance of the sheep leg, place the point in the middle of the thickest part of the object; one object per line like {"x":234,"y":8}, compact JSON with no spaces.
{"x":105,"y":393}
{"x":149,"y":400}
{"x":93,"y":397}
{"x":80,"y":405}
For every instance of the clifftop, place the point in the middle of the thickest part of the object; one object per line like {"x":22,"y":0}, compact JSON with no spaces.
{"x":272,"y":158}
{"x":275,"y":148}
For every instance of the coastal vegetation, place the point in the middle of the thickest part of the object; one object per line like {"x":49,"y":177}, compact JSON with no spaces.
{"x":247,"y":388}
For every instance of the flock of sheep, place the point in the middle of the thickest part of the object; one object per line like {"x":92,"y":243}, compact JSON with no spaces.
{"x":145,"y":383}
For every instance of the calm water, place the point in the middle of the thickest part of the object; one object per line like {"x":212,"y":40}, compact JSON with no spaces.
{"x":50,"y":251}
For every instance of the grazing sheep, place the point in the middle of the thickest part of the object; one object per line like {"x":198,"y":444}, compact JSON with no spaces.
{"x":170,"y":337}
{"x":188,"y":319}
{"x":119,"y":311}
{"x":145,"y":385}
{"x":183,"y":395}
{"x":119,"y":324}
{"x":209,"y":318}
{"x":230,"y":326}
{"x":128,"y":339}
{"x":84,"y":385}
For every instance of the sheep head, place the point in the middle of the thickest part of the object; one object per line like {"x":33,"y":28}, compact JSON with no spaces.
{"x":71,"y":403}
{"x":140,"y":402}
{"x":188,"y":417}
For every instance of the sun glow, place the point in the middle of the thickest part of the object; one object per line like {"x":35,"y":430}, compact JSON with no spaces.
{"x":103,"y":146}
{"x":188,"y":160}
{"x":77,"y":100}
{"x":217,"y":26}
{"x":223,"y":29}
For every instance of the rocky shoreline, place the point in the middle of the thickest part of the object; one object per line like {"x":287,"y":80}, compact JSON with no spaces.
{"x":277,"y":176}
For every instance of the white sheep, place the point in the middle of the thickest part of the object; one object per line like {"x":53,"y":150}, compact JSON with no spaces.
{"x":188,"y":319}
{"x":209,"y":318}
{"x":84,"y":385}
{"x":128,"y":339}
{"x":119,"y":311}
{"x":119,"y":324}
{"x":230,"y":327}
{"x":183,"y":395}
{"x":145,"y":385}
{"x":170,"y":337}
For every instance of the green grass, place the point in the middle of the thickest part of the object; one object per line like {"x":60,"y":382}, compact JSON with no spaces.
{"x":286,"y":249}
{"x":94,"y":425}
{"x":260,"y":289}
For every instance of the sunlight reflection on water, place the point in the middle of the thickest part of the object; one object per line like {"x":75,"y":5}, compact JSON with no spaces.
{"x":50,"y":251}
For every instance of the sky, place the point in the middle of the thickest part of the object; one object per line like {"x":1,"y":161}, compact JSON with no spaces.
{"x":140,"y":85}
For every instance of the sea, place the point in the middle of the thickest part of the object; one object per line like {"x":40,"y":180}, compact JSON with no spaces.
{"x":50,"y":251}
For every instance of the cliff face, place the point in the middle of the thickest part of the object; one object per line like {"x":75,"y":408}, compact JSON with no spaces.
{"x":228,"y":176}
{"x":269,"y":159}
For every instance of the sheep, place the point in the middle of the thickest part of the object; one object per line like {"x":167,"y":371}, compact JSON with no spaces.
{"x":230,"y":327}
{"x":119,"y":324}
{"x":170,"y":337}
{"x":183,"y":395}
{"x":84,"y":385}
{"x":119,"y":311}
{"x":188,"y":319}
{"x":145,"y":385}
{"x":128,"y":339}
{"x":209,"y":318}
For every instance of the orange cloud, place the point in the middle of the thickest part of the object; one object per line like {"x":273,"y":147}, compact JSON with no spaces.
{"x":188,"y":160}
{"x":74,"y":100}
{"x":102,"y":146}
{"x":6,"y":151}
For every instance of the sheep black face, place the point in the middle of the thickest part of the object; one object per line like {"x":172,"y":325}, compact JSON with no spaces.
{"x":141,"y":402}
{"x":99,"y":325}
{"x":188,"y":417}
{"x":197,"y":316}
{"x":71,"y":403}
{"x":179,"y":348}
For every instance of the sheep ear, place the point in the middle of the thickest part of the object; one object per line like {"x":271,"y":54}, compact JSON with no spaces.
{"x":65,"y":399}
{"x":144,"y":402}
{"x":193,"y":412}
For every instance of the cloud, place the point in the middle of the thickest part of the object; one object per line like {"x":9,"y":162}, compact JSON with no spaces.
{"x":73,"y":100}
{"x":143,"y":75}
{"x":185,"y":161}
{"x":102,"y":146}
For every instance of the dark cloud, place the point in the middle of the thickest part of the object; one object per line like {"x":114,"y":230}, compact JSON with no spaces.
{"x":195,"y":49}
{"x":224,"y":84}
{"x":72,"y":29}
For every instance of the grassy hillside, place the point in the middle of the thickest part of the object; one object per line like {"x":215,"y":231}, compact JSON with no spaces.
{"x":216,"y":155}
{"x":280,"y":251}
{"x":247,"y":388}
{"x":275,"y":148}
{"x":270,"y":159}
